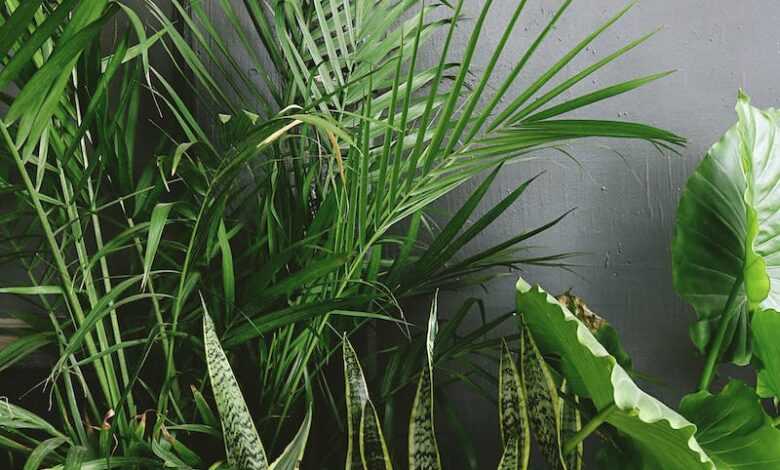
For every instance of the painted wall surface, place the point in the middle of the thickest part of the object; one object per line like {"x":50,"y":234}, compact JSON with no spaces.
{"x":626,"y":205}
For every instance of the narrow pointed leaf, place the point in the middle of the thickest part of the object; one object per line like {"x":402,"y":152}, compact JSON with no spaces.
{"x":356,"y":394}
{"x":242,"y":443}
{"x":571,"y":422}
{"x":513,"y":416}
{"x":156,"y":225}
{"x":373,"y":449}
{"x":38,"y":455}
{"x":423,"y":449}
{"x":542,"y":399}
{"x":293,"y":454}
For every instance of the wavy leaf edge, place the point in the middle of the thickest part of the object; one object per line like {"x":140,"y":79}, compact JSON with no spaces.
{"x":627,"y":396}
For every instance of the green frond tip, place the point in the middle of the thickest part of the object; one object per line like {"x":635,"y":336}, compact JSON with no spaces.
{"x":423,"y":450}
{"x":356,"y":395}
{"x":243,"y":446}
{"x":293,"y":454}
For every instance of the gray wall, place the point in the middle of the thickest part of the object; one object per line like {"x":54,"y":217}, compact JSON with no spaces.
{"x":626,"y":209}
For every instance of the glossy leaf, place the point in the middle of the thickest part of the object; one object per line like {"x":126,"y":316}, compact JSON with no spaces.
{"x":665,"y":438}
{"x":733,"y":195}
{"x":765,"y":328}
{"x":734,"y":429}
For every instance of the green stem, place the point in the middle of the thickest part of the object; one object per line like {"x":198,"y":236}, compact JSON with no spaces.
{"x":59,"y":260}
{"x":588,"y":429}
{"x":715,"y":350}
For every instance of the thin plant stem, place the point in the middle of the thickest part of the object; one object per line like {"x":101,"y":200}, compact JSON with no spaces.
{"x":588,"y":429}
{"x":715,"y":350}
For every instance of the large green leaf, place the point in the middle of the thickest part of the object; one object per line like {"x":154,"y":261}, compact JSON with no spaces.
{"x":733,"y":428}
{"x":242,"y":443}
{"x":765,"y":327}
{"x":726,"y":237}
{"x":665,"y":438}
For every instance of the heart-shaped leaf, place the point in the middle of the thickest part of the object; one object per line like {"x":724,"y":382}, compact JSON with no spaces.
{"x":726,"y":241}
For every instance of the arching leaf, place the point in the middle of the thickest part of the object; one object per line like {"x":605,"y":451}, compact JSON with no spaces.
{"x":665,"y":439}
{"x":293,"y":454}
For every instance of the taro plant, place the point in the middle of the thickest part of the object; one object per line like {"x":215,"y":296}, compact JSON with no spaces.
{"x":723,"y":264}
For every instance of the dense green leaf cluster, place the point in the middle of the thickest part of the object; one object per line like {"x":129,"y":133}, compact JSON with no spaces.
{"x":147,"y":178}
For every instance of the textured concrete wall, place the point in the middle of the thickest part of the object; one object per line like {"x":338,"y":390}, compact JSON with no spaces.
{"x":626,"y":209}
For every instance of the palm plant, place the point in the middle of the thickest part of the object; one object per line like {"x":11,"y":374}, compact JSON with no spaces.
{"x":295,"y":205}
{"x":410,"y":135}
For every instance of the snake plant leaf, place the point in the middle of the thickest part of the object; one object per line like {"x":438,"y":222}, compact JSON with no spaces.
{"x":510,"y":460}
{"x":423,"y":450}
{"x":733,"y":428}
{"x":665,"y":438}
{"x":726,"y":235}
{"x":373,"y":449}
{"x":293,"y":454}
{"x":571,"y":422}
{"x":513,"y":416}
{"x":542,"y":401}
{"x":356,"y":394}
{"x":242,"y":443}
